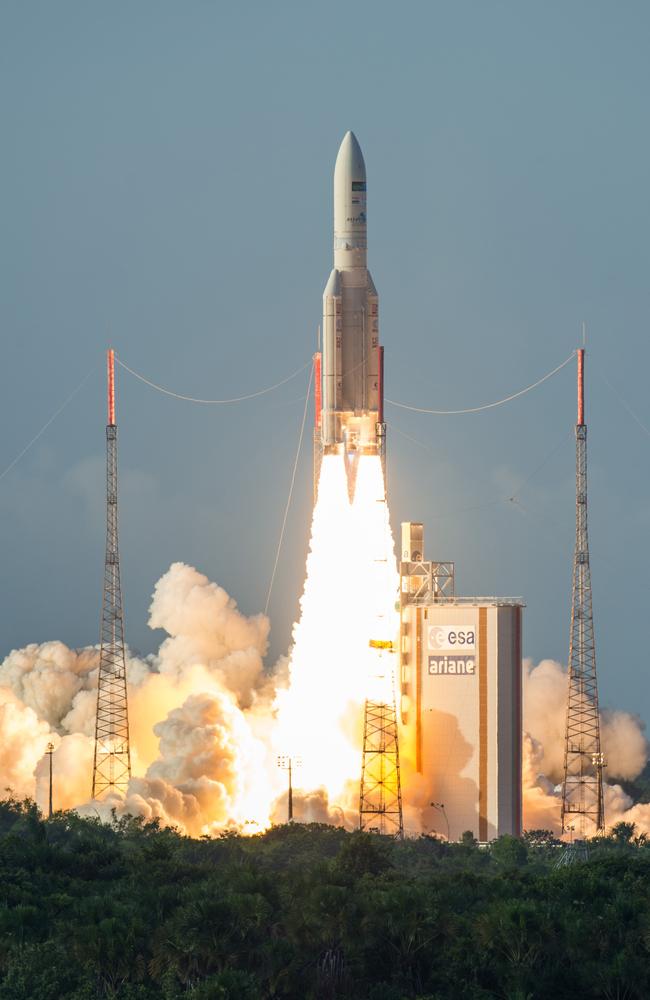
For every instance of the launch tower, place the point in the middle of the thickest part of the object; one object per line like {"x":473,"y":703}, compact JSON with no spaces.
{"x":582,"y":793}
{"x":112,"y":761}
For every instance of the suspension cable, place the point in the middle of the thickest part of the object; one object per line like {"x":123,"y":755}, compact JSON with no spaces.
{"x":486,"y":406}
{"x":193,"y":399}
{"x":47,"y":423}
{"x":293,"y":479}
{"x":626,"y":406}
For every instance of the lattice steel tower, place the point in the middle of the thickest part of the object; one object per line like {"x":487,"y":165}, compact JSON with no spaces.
{"x":582,"y":792}
{"x":380,"y":791}
{"x":112,"y":762}
{"x":380,"y":802}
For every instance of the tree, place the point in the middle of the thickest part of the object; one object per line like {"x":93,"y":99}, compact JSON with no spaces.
{"x":509,"y":852}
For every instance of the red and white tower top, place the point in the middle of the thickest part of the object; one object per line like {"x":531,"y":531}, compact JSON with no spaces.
{"x":581,"y":386}
{"x":110,"y":367}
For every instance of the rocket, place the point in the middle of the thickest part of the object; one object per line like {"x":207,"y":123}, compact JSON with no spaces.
{"x":349,"y":375}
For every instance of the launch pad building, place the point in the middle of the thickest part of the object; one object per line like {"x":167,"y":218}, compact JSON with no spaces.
{"x":461,"y":699}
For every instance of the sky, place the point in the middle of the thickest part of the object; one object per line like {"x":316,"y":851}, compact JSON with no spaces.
{"x":167,"y":190}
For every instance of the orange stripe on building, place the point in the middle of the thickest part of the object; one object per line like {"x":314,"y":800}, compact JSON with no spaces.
{"x":516,"y":764}
{"x":482,"y":725}
{"x":418,"y":690}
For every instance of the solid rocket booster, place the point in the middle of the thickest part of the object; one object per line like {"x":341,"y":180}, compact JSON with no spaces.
{"x":351,"y":420}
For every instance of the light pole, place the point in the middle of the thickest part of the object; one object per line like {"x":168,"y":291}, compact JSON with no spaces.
{"x":287,"y":764}
{"x":440,"y":806}
{"x":49,"y":752}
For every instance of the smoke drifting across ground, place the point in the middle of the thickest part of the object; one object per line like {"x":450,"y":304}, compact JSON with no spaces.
{"x":623,"y":741}
{"x":208,"y":722}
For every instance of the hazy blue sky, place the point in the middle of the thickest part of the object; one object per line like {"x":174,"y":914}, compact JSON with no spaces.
{"x":166,"y":187}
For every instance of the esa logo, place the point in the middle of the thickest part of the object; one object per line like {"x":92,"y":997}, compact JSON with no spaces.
{"x":454,"y":637}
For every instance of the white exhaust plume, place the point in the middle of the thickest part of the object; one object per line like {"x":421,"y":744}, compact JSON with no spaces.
{"x":348,"y":600}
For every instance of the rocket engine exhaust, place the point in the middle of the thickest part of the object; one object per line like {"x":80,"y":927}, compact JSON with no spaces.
{"x":351,"y":421}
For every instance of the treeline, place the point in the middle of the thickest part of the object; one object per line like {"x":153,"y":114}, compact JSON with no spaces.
{"x":131,"y":911}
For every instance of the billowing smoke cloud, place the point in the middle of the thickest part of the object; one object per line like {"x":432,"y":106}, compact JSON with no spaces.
{"x":48,"y":677}
{"x":206,"y":628}
{"x":23,"y":741}
{"x":624,"y":744}
{"x":209,"y":766}
{"x":314,"y":807}
{"x":623,"y":740}
{"x":72,"y":763}
{"x":199,"y":711}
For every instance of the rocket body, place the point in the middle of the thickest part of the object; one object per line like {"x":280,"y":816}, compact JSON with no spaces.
{"x":351,"y":421}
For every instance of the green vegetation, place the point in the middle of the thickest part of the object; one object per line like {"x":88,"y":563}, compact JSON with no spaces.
{"x":133,"y":911}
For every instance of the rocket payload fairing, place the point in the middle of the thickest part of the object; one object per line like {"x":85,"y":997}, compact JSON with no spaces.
{"x":349,"y":376}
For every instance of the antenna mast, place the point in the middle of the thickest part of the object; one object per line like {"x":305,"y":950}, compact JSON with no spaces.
{"x":582,"y":792}
{"x":112,"y":761}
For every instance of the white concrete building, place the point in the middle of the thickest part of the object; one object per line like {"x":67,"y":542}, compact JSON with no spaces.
{"x":460,"y":698}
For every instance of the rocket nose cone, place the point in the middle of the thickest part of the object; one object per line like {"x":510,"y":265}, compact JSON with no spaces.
{"x":350,"y":219}
{"x":350,"y":160}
